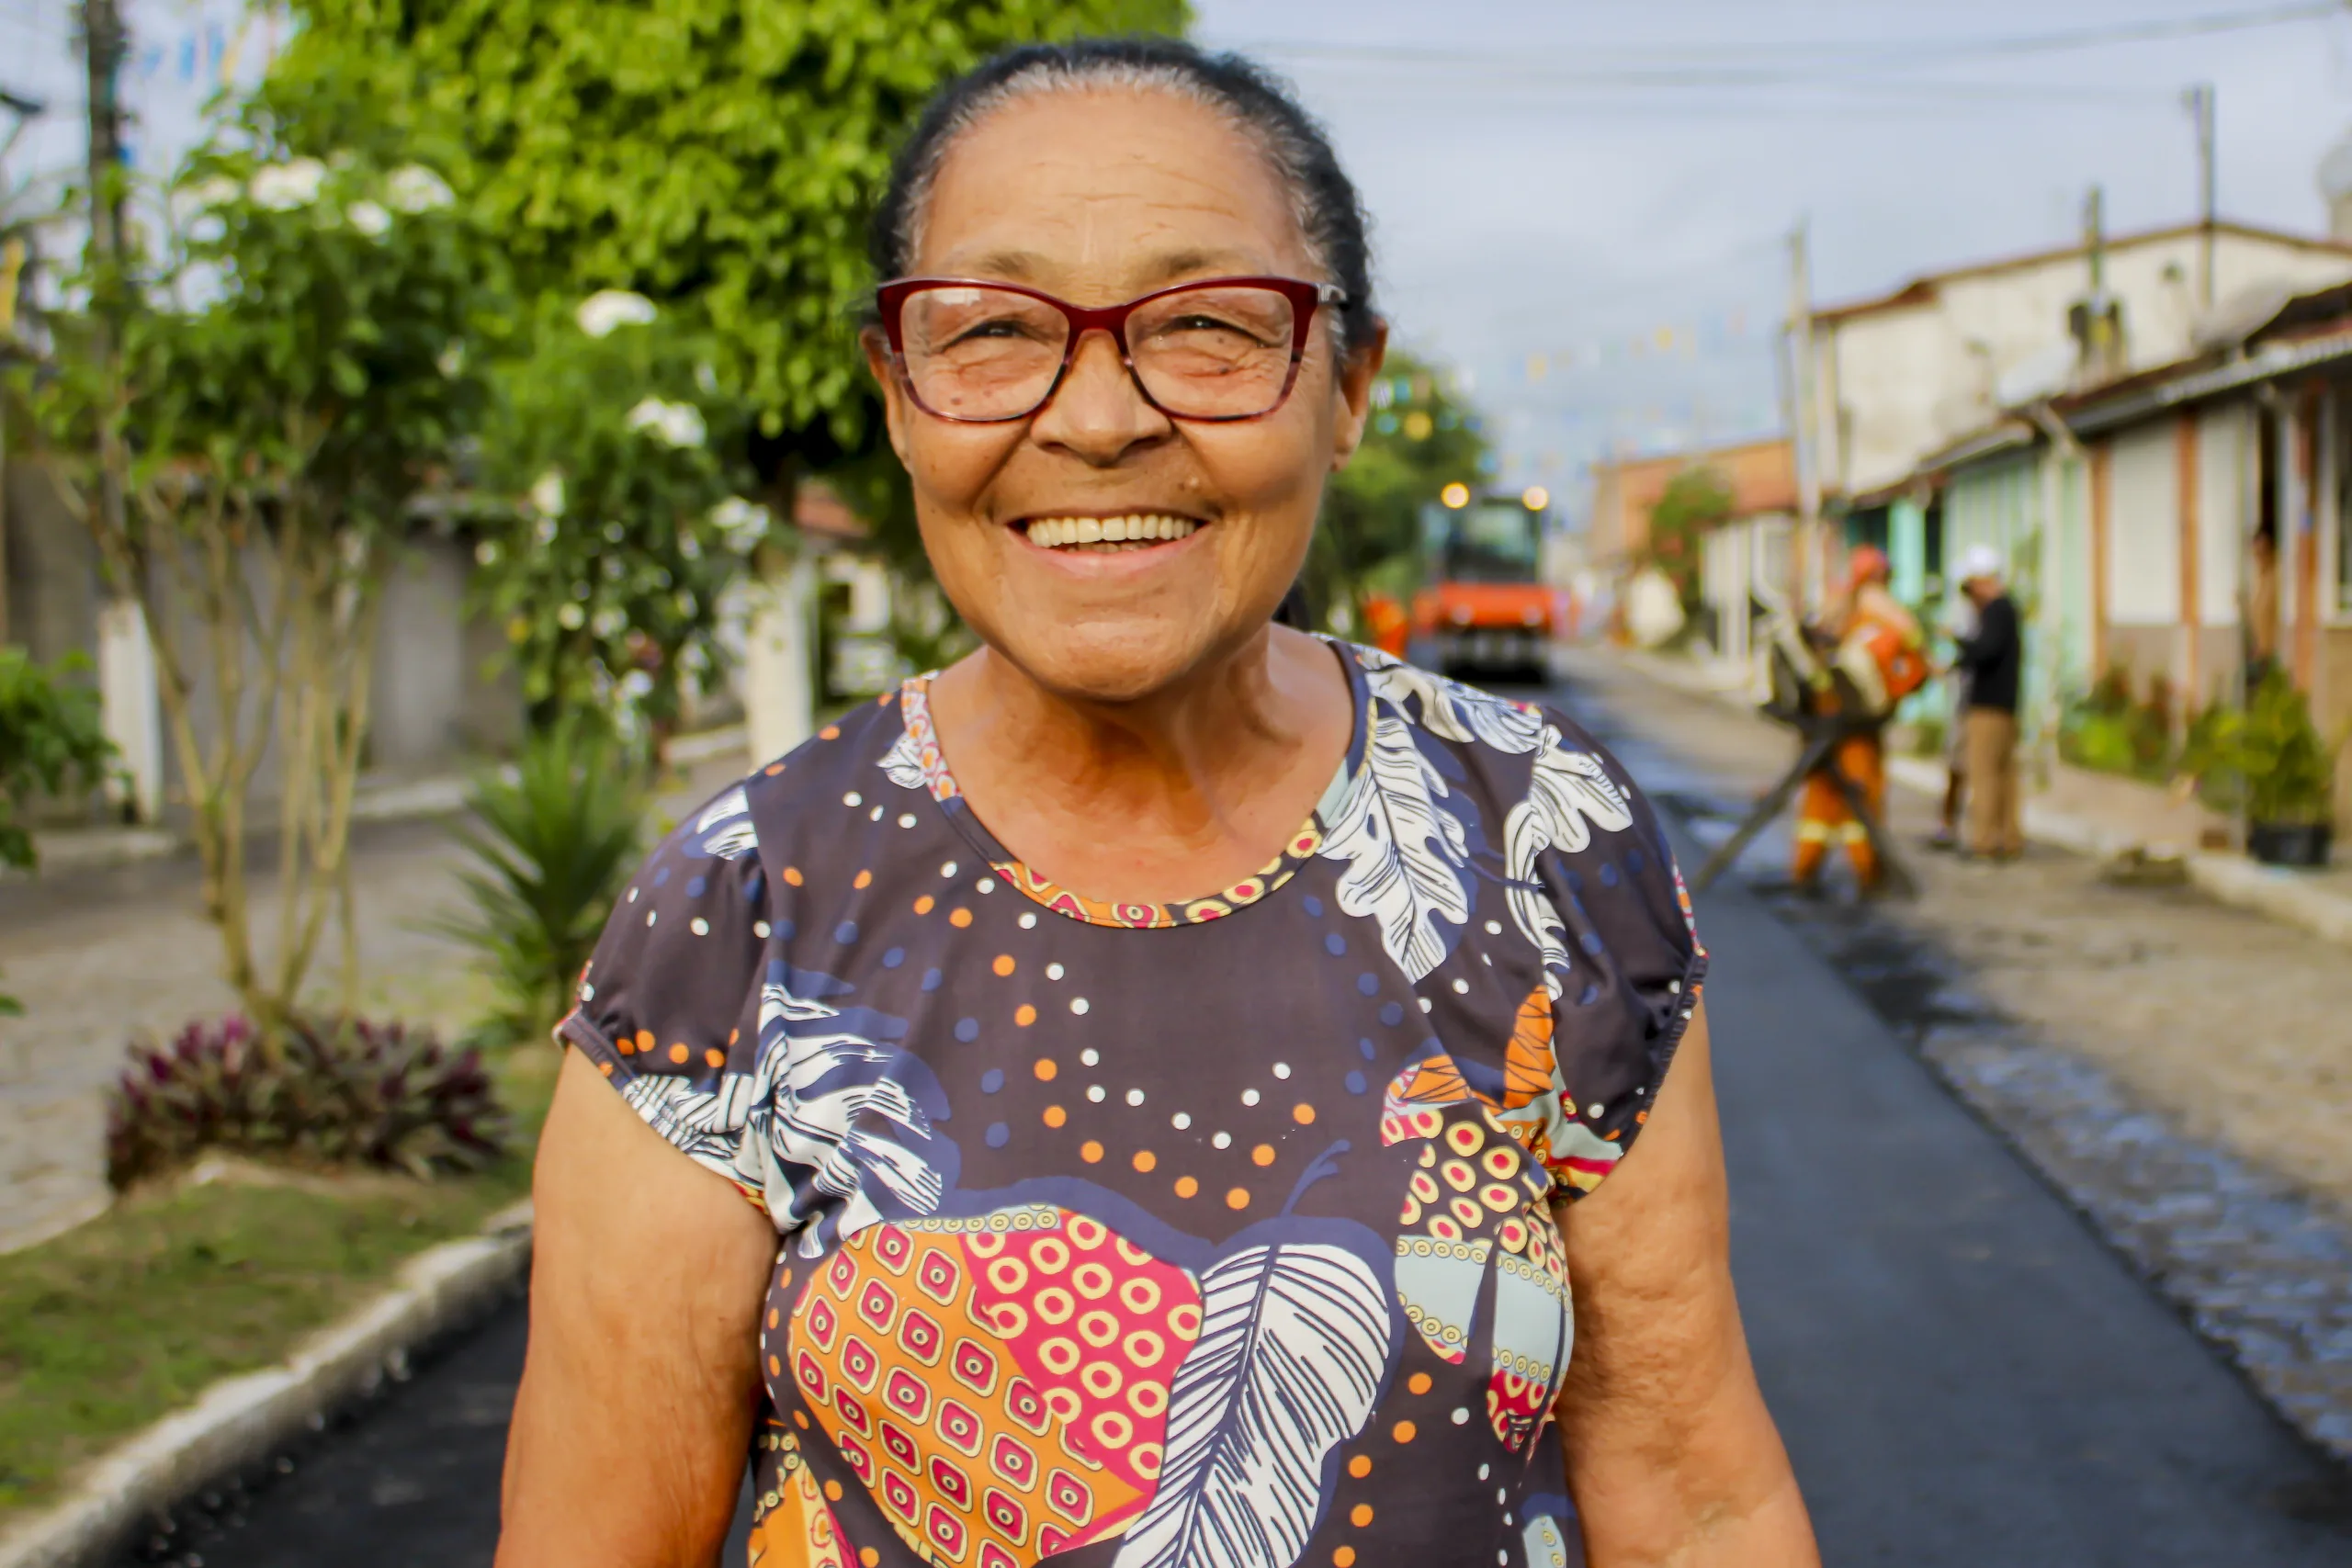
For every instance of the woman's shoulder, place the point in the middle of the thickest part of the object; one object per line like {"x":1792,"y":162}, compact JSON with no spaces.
{"x":1510,"y":743}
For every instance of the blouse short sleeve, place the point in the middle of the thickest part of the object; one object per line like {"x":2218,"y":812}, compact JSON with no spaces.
{"x":669,"y":1002}
{"x":1628,"y":965}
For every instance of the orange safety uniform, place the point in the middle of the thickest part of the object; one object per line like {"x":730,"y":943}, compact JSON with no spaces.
{"x":1877,"y":626}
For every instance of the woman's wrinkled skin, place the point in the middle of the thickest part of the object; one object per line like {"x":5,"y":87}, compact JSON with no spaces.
{"x":1136,"y":731}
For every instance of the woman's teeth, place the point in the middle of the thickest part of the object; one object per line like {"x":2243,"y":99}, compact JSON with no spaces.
{"x":1106,"y":535}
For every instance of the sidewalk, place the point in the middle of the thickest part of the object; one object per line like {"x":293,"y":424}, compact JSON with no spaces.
{"x":2086,"y":813}
{"x":115,"y":946}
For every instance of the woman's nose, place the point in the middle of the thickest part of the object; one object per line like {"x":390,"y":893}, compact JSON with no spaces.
{"x":1098,"y":414}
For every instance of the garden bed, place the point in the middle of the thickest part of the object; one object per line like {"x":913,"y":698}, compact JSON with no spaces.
{"x":112,"y":1325}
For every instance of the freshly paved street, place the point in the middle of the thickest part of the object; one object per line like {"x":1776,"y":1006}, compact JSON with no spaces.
{"x":1964,"y":1372}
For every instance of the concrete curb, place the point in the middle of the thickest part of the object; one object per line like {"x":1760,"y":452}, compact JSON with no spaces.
{"x":2271,"y":891}
{"x":242,"y":1419}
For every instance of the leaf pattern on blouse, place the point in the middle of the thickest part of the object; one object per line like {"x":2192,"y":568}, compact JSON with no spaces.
{"x":1406,"y":854}
{"x":1569,"y":795}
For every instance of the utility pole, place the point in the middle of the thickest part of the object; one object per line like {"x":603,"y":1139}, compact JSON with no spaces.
{"x":103,"y":47}
{"x":2199,"y":100}
{"x":1804,"y":429}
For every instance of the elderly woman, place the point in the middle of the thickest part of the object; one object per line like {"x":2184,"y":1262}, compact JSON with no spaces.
{"x":1164,"y":1091}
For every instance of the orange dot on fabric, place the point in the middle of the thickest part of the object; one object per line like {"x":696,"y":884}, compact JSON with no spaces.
{"x":1418,"y":1382}
{"x":1360,"y":1466}
{"x":868,"y":1556}
{"x":715,"y":1057}
{"x":1056,"y":1116}
{"x":605,"y":1068}
{"x":1237,"y":1199}
{"x":1046,"y":1069}
{"x":645,"y":1040}
{"x":1262,"y":1155}
{"x":864,"y":880}
{"x":783,"y":1281}
{"x":773,"y":769}
{"x":1361,"y":1515}
{"x":830,"y":733}
{"x":733,"y":1035}
{"x":792,"y":874}
{"x":960,"y":919}
{"x":772,"y":1317}
{"x":924,"y":904}
{"x":1186,"y":1187}
{"x":1025,"y":1015}
{"x":1003,"y":964}
{"x":1404,"y":1431}
{"x":775,"y":1368}
{"x":832,"y":1491}
{"x":800,"y":1420}
{"x":1303,"y":1114}
{"x":1344,"y":1558}
{"x":678,"y":1052}
{"x":1090,"y":1151}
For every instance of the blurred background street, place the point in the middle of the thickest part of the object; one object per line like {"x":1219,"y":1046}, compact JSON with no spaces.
{"x":1717,"y":328}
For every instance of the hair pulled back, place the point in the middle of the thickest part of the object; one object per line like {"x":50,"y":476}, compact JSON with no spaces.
{"x":1323,"y":200}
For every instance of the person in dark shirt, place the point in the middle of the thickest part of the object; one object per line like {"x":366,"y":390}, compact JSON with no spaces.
{"x":1993,"y":659}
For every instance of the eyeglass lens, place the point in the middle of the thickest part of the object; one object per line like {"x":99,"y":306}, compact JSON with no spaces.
{"x":1221,"y":352}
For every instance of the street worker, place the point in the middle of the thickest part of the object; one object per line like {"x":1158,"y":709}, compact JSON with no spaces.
{"x":1878,"y":649}
{"x":1958,"y":624}
{"x":1994,"y":662}
{"x":1163,"y":1087}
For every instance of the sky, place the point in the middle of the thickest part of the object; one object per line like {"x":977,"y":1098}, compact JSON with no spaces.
{"x":1585,"y":207}
{"x":1611,"y":187}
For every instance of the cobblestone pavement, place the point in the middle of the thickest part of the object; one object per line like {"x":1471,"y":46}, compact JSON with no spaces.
{"x":99,"y":958}
{"x":2182,"y":1071}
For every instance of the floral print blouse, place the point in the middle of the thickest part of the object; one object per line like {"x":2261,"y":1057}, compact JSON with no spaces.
{"x":1143,"y":1236}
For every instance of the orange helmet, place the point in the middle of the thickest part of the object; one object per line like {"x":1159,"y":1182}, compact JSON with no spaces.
{"x":1867,"y":564}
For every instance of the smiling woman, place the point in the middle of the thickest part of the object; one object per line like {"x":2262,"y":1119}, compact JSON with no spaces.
{"x":1174,"y":1061}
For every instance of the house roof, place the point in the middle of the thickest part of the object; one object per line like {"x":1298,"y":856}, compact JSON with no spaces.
{"x":1762,"y":476}
{"x":1922,"y":291}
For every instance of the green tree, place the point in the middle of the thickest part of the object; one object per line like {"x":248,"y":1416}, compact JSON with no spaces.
{"x":1422,"y":437}
{"x":717,"y":156}
{"x":617,"y":517}
{"x":51,"y":741}
{"x":1695,"y":502}
{"x":293,"y":374}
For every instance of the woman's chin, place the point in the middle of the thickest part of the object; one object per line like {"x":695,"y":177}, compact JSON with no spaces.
{"x":1125,"y":660}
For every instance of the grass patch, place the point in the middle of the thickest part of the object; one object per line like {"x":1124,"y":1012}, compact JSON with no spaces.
{"x":110,"y":1327}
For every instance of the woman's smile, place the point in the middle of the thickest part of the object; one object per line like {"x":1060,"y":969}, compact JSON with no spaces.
{"x":1126,"y":533}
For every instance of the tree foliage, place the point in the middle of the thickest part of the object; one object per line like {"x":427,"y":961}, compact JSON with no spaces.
{"x":718,"y":156}
{"x":280,"y":379}
{"x":1422,"y":437}
{"x":616,"y":471}
{"x":1695,"y":502}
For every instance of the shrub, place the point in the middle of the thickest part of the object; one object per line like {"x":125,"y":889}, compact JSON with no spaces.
{"x":337,"y":1093}
{"x":555,"y":841}
{"x":2110,"y":731}
{"x":2268,"y":759}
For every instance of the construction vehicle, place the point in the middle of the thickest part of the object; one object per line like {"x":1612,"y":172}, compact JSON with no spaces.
{"x":1484,"y":611}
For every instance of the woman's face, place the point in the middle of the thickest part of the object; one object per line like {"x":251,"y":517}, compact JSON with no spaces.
{"x":1097,"y":197}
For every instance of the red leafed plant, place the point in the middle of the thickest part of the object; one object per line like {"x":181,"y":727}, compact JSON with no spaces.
{"x":343,"y":1093}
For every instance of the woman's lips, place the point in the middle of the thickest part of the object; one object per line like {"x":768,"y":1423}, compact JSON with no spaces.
{"x":1109,"y":535}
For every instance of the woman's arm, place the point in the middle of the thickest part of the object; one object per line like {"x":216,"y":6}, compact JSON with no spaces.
{"x":1672,"y":1458}
{"x":633,"y":1425}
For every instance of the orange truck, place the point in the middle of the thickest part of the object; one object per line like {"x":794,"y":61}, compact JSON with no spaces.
{"x":1484,"y":611}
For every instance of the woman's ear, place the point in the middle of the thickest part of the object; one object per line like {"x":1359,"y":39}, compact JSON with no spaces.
{"x":1353,"y":390}
{"x":894,"y":395}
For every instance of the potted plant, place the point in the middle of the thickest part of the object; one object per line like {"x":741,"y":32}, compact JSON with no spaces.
{"x":2270,"y":761}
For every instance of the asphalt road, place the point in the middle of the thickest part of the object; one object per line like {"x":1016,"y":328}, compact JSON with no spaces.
{"x":1964,"y":1374}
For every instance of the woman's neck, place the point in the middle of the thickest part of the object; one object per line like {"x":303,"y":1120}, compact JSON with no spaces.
{"x":1166,"y":798}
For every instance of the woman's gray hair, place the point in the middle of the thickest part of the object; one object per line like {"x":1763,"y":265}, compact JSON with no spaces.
{"x":1329,"y":214}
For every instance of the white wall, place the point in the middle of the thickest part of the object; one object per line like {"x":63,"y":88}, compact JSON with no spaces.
{"x":2144,"y":530}
{"x":1901,"y":383}
{"x":2225,"y":505}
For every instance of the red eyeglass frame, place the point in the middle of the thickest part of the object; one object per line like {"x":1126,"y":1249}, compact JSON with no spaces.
{"x":1304,"y":297}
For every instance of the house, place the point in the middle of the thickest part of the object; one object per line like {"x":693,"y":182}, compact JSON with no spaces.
{"x":1904,"y":383}
{"x":2128,"y":511}
{"x":1744,"y":564}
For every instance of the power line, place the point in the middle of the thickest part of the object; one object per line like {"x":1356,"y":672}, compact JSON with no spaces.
{"x":1674,"y":63}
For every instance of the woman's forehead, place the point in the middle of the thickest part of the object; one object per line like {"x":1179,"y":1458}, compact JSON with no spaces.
{"x":1126,"y":186}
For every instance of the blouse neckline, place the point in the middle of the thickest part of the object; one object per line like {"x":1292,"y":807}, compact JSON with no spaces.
{"x":914,"y":711}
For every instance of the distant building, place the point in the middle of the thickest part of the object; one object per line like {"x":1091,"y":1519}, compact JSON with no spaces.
{"x":1744,"y":565}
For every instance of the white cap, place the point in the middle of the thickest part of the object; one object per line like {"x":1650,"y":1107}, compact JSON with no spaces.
{"x":1979,"y":560}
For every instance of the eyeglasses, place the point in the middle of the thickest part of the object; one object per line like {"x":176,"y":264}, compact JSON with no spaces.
{"x":1227,"y":348}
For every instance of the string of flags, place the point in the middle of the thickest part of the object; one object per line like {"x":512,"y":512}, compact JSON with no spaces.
{"x":208,"y":50}
{"x":1713,"y":334}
